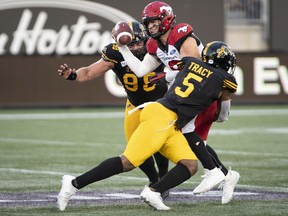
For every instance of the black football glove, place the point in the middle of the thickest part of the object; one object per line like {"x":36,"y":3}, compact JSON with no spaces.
{"x":158,"y":78}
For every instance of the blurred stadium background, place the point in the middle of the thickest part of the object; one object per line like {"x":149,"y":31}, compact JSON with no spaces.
{"x":41,"y":35}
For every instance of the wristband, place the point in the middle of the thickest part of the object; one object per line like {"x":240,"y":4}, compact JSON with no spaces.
{"x":72,"y":76}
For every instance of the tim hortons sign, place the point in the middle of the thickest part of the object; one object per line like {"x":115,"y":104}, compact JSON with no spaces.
{"x":44,"y":27}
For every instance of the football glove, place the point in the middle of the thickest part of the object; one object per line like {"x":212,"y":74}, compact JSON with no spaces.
{"x":158,"y":78}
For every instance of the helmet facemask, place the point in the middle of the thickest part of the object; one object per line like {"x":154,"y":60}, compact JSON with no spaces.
{"x":139,"y":52}
{"x":158,"y":34}
{"x":139,"y":39}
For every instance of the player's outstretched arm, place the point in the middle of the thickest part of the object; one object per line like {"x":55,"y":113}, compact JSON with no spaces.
{"x":85,"y":73}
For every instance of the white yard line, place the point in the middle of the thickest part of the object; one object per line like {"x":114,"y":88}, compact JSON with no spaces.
{"x":67,"y":143}
{"x":23,"y":201}
{"x":242,"y":153}
{"x":109,"y":115}
{"x":116,"y":196}
{"x":50,"y":142}
{"x":35,"y":141}
{"x":57,"y":116}
{"x":31,"y":171}
{"x":258,"y":112}
{"x":55,"y":142}
{"x":133,"y":178}
{"x":229,"y":132}
{"x":111,"y":196}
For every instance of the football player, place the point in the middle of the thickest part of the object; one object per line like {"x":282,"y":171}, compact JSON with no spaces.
{"x":138,"y":90}
{"x":169,"y":43}
{"x":195,"y":88}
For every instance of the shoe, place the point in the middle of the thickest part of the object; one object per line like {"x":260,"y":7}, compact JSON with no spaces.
{"x":228,"y":186}
{"x":211,"y":179}
{"x":153,"y":199}
{"x":164,"y":195}
{"x":66,"y":192}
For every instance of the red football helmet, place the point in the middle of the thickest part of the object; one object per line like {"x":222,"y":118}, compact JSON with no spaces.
{"x":158,"y":10}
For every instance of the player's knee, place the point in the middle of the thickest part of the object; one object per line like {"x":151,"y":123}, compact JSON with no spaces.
{"x":191,"y":165}
{"x":127,"y":165}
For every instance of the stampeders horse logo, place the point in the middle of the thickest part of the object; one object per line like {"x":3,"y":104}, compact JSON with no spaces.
{"x":167,"y":9}
{"x":56,"y":27}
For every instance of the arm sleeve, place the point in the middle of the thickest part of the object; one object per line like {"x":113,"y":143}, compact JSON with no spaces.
{"x":224,"y":111}
{"x":140,"y":68}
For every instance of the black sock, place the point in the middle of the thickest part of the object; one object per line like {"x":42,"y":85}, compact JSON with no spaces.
{"x":216,"y":160}
{"x":174,"y":177}
{"x":149,"y":169}
{"x":162,"y":164}
{"x":107,"y":168}
{"x":198,"y":147}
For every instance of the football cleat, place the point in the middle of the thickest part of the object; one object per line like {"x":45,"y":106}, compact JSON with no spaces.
{"x":66,"y":192}
{"x":228,"y":185}
{"x":153,"y":199}
{"x":211,"y":179}
{"x":164,"y":195}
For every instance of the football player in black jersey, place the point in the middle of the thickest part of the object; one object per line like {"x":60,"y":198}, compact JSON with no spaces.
{"x":196,"y":87}
{"x":138,"y":90}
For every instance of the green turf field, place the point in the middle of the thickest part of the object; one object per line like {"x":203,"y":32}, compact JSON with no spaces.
{"x":38,"y":146}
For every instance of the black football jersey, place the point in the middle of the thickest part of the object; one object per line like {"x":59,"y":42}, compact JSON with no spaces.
{"x":195,"y":88}
{"x":138,"y":90}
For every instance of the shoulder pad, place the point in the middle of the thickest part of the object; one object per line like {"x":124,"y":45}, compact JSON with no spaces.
{"x":111,"y":52}
{"x":179,"y":31}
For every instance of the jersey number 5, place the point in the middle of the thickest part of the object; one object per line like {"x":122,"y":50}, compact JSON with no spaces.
{"x":188,"y":86}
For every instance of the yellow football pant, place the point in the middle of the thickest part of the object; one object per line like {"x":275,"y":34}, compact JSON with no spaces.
{"x":131,"y":122}
{"x":157,"y":132}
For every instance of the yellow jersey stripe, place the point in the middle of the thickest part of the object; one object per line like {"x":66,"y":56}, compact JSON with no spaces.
{"x":229,"y":84}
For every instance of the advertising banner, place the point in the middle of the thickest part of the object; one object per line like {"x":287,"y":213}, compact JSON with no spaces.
{"x":36,"y":37}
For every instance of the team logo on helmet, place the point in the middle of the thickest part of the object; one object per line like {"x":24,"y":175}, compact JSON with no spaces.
{"x":222,"y":52}
{"x":166,"y":8}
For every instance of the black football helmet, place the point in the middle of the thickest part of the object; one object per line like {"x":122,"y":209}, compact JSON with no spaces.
{"x":139,"y":34}
{"x":161,"y":11}
{"x":219,"y":55}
